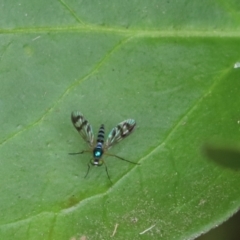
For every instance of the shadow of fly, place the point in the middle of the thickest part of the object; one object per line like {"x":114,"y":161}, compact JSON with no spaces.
{"x":99,"y":147}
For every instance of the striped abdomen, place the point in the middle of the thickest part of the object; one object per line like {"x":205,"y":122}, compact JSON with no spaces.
{"x":98,"y":150}
{"x":100,"y":136}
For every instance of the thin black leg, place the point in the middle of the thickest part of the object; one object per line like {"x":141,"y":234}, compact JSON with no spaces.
{"x":79,"y":152}
{"x":109,"y":154}
{"x":87,"y":170}
{"x":107,"y":172}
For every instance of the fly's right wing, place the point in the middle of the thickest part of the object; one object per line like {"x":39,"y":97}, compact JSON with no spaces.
{"x":83,"y":127}
{"x":121,"y":131}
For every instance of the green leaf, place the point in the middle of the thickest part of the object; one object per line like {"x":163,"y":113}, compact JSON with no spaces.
{"x":167,"y":64}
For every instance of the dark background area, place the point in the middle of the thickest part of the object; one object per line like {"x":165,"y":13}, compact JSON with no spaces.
{"x":229,"y":230}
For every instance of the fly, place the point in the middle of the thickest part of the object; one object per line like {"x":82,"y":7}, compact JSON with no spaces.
{"x":99,"y":147}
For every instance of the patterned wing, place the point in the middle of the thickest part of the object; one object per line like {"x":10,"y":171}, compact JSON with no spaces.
{"x":83,"y":127}
{"x":122,"y":130}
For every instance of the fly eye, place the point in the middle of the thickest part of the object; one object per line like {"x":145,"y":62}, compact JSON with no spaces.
{"x":100,"y":163}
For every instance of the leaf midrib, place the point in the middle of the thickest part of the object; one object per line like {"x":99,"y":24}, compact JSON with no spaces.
{"x":134,"y":33}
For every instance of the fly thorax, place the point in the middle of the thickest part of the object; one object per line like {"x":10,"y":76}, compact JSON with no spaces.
{"x":98,"y":152}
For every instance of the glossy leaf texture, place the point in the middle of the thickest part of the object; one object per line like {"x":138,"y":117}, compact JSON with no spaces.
{"x":170,"y":65}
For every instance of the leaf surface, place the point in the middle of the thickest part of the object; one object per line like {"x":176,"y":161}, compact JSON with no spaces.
{"x":169,"y":65}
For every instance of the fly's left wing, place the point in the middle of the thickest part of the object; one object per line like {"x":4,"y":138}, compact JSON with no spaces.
{"x":121,"y":131}
{"x":83,"y":127}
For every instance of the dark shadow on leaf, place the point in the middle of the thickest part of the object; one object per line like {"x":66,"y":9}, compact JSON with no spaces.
{"x":227,"y":156}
